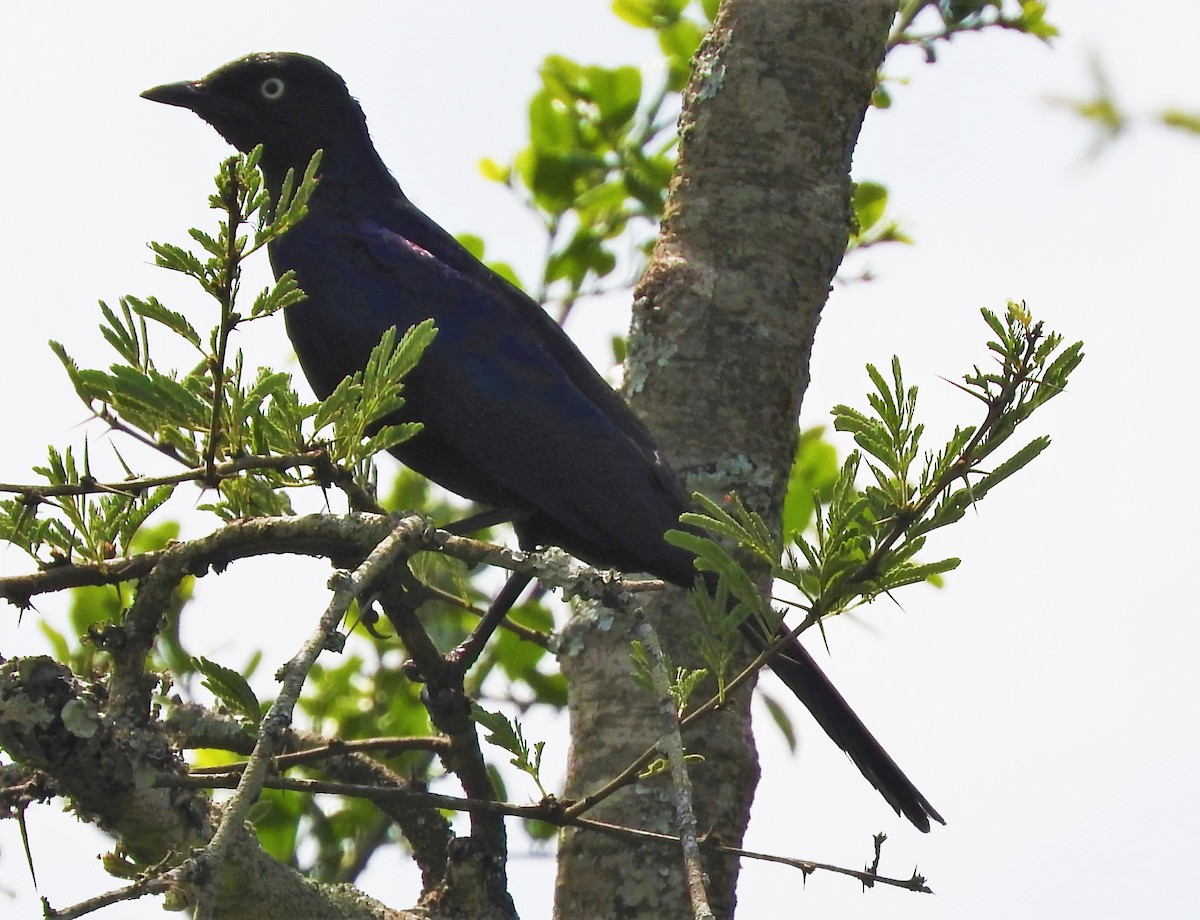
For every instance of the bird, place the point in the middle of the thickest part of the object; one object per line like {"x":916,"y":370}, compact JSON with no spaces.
{"x":514,"y":416}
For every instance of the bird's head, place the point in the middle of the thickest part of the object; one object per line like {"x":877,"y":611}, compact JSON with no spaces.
{"x":290,"y":103}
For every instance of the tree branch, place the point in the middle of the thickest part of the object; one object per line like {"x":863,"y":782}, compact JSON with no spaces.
{"x":54,"y":722}
{"x":347,"y":587}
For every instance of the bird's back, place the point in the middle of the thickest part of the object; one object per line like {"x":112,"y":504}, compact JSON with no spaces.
{"x":515,"y":417}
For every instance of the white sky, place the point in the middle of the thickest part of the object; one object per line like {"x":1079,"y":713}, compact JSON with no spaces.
{"x":1047,"y":707}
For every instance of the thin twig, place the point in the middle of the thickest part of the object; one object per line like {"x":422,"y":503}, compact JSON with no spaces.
{"x":138,"y":485}
{"x":469,"y":650}
{"x":1018,"y":377}
{"x":548,"y":811}
{"x":671,"y":744}
{"x":429,"y":743}
{"x":231,"y":272}
{"x":139,"y":889}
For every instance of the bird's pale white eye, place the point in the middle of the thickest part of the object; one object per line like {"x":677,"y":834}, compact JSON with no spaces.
{"x":272,"y":89}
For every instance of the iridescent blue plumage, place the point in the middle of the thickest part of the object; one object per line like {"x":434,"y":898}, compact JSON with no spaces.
{"x":514,"y":416}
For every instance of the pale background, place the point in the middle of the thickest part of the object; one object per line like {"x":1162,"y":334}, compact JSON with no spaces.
{"x":1046,"y":701}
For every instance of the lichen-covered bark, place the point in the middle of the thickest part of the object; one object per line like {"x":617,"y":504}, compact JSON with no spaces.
{"x":724,"y":320}
{"x":52,"y":721}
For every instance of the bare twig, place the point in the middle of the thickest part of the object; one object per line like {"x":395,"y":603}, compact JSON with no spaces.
{"x":141,"y":888}
{"x":548,"y":811}
{"x":430,"y":744}
{"x":316,"y":459}
{"x":671,"y":744}
{"x":470,"y":648}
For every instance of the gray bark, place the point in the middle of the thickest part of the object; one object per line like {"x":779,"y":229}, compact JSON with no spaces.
{"x":724,"y":319}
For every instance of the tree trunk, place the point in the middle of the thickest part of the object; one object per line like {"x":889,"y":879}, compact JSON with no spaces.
{"x":724,"y":319}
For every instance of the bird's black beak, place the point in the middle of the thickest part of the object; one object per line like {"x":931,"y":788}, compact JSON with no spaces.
{"x":229,"y":117}
{"x":188,"y":95}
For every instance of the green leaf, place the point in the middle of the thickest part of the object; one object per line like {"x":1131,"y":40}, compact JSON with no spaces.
{"x":284,"y":293}
{"x":177,"y":259}
{"x":779,"y":715}
{"x":73,"y":372}
{"x":390,"y":435}
{"x":1033,"y":20}
{"x":1177,"y":118}
{"x":616,"y":92}
{"x":471,"y":243}
{"x":509,"y":737}
{"x":137,"y":513}
{"x":158,"y":395}
{"x":176,"y":322}
{"x":584,"y":255}
{"x":902,"y":575}
{"x":551,"y":124}
{"x":712,"y":557}
{"x":640,"y":13}
{"x":870,"y":201}
{"x":494,"y":171}
{"x":814,"y":471}
{"x":365,"y":400}
{"x":475,"y":246}
{"x":230,"y":688}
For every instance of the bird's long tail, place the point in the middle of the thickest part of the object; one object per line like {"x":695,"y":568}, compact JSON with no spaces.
{"x":800,"y":674}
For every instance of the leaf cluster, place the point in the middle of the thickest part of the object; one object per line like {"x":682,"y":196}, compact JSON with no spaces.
{"x":868,"y":534}
{"x":509,"y":736}
{"x":871,"y":225}
{"x":682,"y":684}
{"x":601,"y":152}
{"x":250,"y":440}
{"x":247,"y":436}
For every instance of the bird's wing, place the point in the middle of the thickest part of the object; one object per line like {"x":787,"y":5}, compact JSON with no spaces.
{"x":503,"y":393}
{"x":409,"y":224}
